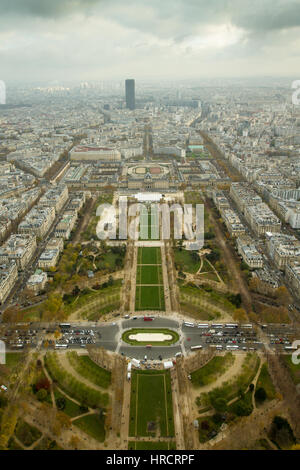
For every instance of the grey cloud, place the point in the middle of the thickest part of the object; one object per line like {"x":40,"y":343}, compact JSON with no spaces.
{"x":269,"y":15}
{"x":44,"y":8}
{"x":146,"y":37}
{"x":186,"y":15}
{"x":165,"y":17}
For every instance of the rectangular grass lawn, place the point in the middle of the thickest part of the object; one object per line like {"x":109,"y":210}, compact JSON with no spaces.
{"x":151,"y":402}
{"x":149,"y":274}
{"x":149,"y":255}
{"x":149,"y":298}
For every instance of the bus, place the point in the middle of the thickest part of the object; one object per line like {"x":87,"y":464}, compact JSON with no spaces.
{"x":232,"y":346}
{"x":61,"y":346}
{"x":217,"y":325}
{"x":64,"y":326}
{"x":231,"y":325}
{"x":290,"y":348}
{"x":203,"y":325}
{"x":194,"y":348}
{"x":247,"y":325}
{"x":148,"y":318}
{"x":189,"y":324}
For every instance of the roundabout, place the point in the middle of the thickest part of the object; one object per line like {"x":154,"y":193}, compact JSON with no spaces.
{"x":150,"y":336}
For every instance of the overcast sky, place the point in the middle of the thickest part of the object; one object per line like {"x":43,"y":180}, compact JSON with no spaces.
{"x":168,"y":39}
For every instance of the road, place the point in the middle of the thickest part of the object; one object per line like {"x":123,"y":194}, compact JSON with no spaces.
{"x":240,"y":282}
{"x":78,"y":336}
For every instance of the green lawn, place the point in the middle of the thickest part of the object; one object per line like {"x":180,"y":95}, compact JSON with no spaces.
{"x":151,"y":445}
{"x":185,"y":262}
{"x":149,"y":275}
{"x":193,"y":295}
{"x":89,"y":369}
{"x":107,"y":296}
{"x":293,"y":368}
{"x":13,"y":359}
{"x":197,"y":312}
{"x":151,"y":403}
{"x":213,"y":369}
{"x":71,"y":408}
{"x":149,"y":255}
{"x":93,"y":425}
{"x":134,"y":331}
{"x":231,"y":389}
{"x":70,"y":385}
{"x":149,"y":298}
{"x":103,"y":295}
{"x":265,"y":381}
{"x":110,"y":307}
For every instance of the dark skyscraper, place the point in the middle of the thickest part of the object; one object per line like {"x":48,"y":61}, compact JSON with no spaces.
{"x":130,"y":93}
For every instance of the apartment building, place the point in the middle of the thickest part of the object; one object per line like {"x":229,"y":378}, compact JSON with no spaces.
{"x":38,"y":221}
{"x":19,"y":248}
{"x":66,"y":225}
{"x":268,"y":279}
{"x":220,"y":200}
{"x":77,"y":200}
{"x":233,"y":222}
{"x":48,"y":259}
{"x":55,"y":244}
{"x":37,"y":281}
{"x":262,"y":219}
{"x":89,"y":153}
{"x":292,"y":273}
{"x":55,"y":197}
{"x":244,"y":196}
{"x":8,"y":278}
{"x":248,"y":251}
{"x":283,"y":249}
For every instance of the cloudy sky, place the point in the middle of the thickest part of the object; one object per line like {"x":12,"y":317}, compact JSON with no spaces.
{"x":155,"y":39}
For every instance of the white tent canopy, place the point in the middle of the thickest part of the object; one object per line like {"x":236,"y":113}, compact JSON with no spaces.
{"x":148,"y":197}
{"x":168,"y":364}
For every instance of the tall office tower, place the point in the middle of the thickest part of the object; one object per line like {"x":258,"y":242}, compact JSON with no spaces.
{"x":130,"y":93}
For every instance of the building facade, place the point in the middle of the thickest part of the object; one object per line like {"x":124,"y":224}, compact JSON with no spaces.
{"x":130,"y":94}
